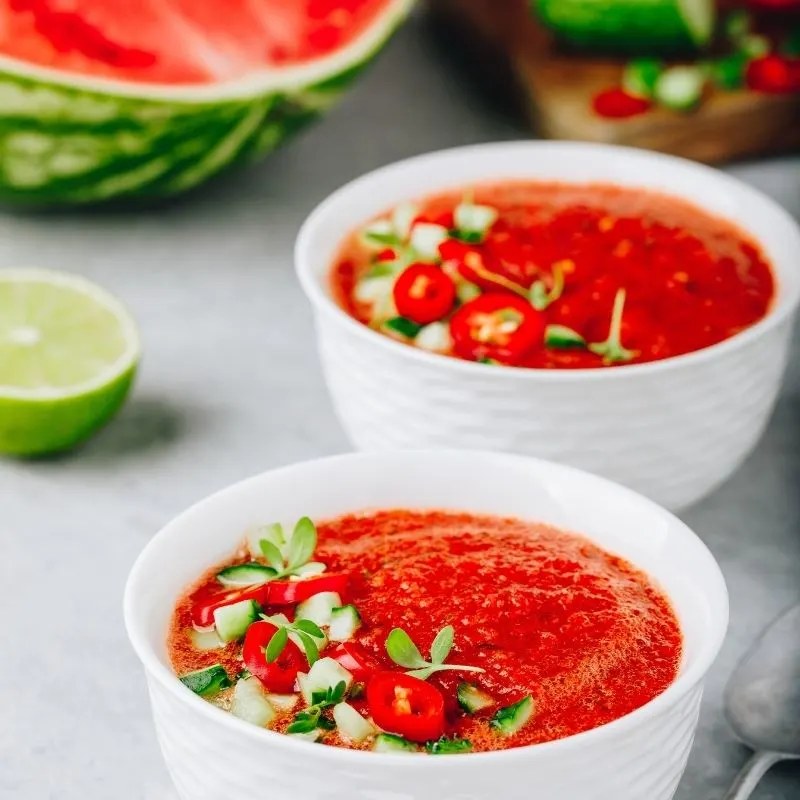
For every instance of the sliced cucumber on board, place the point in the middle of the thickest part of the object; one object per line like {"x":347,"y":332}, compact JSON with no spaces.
{"x":628,"y":26}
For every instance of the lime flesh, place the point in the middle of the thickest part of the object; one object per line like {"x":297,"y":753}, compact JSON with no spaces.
{"x":68,"y":356}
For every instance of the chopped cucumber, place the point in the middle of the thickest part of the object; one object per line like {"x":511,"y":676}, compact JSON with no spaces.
{"x":345,"y":621}
{"x":472,"y":699}
{"x":272,"y":533}
{"x":233,"y":621}
{"x":680,"y":88}
{"x":512,"y":719}
{"x":434,"y":337}
{"x":426,"y":238}
{"x":405,"y":327}
{"x":374,"y":290}
{"x":207,"y":682}
{"x":283,"y":702}
{"x":351,"y":724}
{"x":319,"y":607}
{"x":466,"y":291}
{"x":641,"y":75}
{"x":205,"y":640}
{"x":309,"y":736}
{"x":403,"y":218}
{"x":474,"y":220}
{"x":245,"y":575}
{"x":446,"y":746}
{"x":729,"y":71}
{"x":562,"y":337}
{"x":755,"y":45}
{"x":308,"y":571}
{"x":325,"y":674}
{"x":389,"y":743}
{"x":278,"y":619}
{"x":251,"y":703}
{"x":379,"y":234}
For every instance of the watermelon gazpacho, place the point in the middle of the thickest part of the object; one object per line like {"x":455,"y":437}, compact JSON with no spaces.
{"x":104,"y":99}
{"x":547,"y":276}
{"x":425,"y":631}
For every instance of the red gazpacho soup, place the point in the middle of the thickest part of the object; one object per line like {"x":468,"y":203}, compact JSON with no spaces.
{"x":546,"y":276}
{"x":425,"y":631}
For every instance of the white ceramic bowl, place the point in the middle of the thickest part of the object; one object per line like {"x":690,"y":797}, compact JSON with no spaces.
{"x":212,"y":755}
{"x":672,"y":430}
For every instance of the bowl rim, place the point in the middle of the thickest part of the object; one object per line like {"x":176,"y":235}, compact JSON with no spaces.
{"x":714,"y":586}
{"x":785,"y":302}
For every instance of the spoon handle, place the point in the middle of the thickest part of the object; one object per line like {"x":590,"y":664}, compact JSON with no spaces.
{"x":752,"y":772}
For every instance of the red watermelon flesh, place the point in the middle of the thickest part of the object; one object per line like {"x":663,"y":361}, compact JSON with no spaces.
{"x":179,"y":41}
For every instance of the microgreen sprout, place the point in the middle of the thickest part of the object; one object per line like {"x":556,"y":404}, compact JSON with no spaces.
{"x":611,"y":349}
{"x":402,"y":650}
{"x":311,"y":718}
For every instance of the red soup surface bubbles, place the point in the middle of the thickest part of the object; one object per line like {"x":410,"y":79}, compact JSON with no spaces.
{"x":553,"y":276}
{"x":429,"y":631}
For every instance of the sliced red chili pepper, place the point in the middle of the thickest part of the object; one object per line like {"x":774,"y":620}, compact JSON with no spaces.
{"x":616,"y":103}
{"x":279,"y":675}
{"x":500,"y":327}
{"x":406,"y":706}
{"x":287,"y":593}
{"x":207,"y":603}
{"x":774,"y":74}
{"x":423,"y":293}
{"x":355,"y":659}
{"x":387,"y":254}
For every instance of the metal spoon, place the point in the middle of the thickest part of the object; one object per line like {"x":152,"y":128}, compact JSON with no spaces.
{"x":762,"y":701}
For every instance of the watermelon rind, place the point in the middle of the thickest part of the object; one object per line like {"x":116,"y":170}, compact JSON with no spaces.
{"x":69,"y":139}
{"x":648,"y":27}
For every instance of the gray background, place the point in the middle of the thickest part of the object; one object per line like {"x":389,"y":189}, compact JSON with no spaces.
{"x":230,"y":386}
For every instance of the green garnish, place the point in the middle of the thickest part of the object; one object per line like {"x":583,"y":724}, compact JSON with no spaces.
{"x":641,"y":75}
{"x":405,"y":653}
{"x":446,"y":746}
{"x":611,"y":349}
{"x":754,"y":45}
{"x":472,"y":221}
{"x":311,"y":718}
{"x":513,"y":718}
{"x":405,"y":327}
{"x":306,"y":631}
{"x":562,"y":337}
{"x":489,"y":361}
{"x":243,"y":675}
{"x":299,"y":550}
{"x":539,"y":294}
{"x":728,"y":72}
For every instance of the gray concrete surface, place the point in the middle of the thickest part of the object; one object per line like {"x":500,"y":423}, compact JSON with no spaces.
{"x":230,"y":386}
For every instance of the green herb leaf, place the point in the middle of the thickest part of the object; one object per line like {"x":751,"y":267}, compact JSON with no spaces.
{"x":302,"y":544}
{"x":309,"y":627}
{"x":272,"y":554}
{"x":303,"y":725}
{"x":276,"y":645}
{"x":402,"y":650}
{"x":611,"y":349}
{"x":243,"y":675}
{"x":338,"y":692}
{"x":561,"y":337}
{"x":388,"y":239}
{"x":274,"y":533}
{"x":442,"y":645}
{"x":310,"y":646}
{"x":405,"y":327}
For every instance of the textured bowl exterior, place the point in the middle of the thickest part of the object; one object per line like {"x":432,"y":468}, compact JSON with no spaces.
{"x":672,"y":430}
{"x":211,"y":755}
{"x":671,"y":436}
{"x":208,"y":762}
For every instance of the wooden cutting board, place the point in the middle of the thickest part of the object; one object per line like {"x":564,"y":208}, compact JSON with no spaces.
{"x":507,"y":48}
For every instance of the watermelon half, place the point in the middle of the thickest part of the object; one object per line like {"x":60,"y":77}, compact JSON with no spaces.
{"x":108,"y":99}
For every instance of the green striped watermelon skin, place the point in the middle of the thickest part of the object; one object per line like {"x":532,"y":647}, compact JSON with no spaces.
{"x":625,"y":26}
{"x":61,"y":145}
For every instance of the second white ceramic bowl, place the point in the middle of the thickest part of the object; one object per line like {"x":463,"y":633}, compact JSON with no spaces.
{"x":212,"y":755}
{"x":672,"y":430}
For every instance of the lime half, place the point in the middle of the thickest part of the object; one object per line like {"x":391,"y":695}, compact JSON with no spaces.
{"x":68,"y":355}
